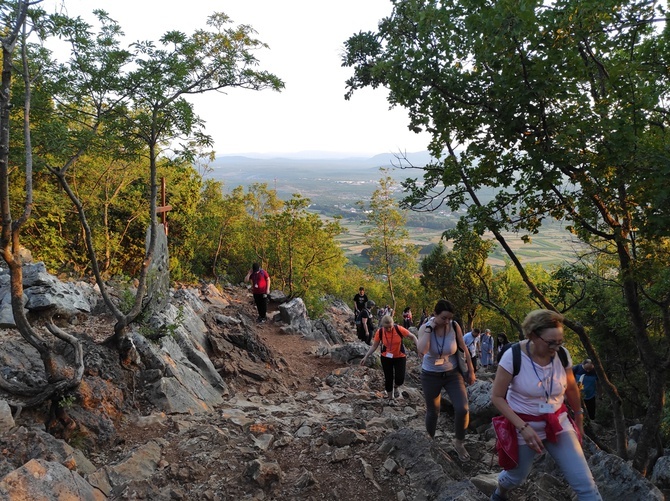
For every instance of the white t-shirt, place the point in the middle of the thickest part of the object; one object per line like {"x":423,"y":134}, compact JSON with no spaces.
{"x":533,"y":384}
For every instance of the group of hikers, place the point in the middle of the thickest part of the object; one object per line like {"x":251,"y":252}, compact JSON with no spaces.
{"x":531,"y":387}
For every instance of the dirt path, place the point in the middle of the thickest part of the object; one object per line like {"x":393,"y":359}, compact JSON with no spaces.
{"x":297,"y":353}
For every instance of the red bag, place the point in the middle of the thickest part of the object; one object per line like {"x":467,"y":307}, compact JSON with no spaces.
{"x":507,"y":445}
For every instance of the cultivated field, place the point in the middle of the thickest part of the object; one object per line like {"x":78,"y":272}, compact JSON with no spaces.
{"x":334,"y":187}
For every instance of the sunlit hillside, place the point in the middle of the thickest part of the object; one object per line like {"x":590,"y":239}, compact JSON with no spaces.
{"x":335,"y":186}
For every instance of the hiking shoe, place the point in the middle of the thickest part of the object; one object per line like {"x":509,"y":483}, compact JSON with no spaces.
{"x":396,"y":393}
{"x":386,"y":394}
{"x":497,"y":497}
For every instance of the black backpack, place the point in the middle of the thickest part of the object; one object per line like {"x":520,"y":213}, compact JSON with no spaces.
{"x":516,"y":356}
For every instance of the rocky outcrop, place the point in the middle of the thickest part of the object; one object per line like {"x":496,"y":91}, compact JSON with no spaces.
{"x":40,"y":480}
{"x":44,"y":292}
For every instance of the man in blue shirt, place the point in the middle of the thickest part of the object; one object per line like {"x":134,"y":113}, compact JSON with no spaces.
{"x":587,"y":379}
{"x":472,"y":341}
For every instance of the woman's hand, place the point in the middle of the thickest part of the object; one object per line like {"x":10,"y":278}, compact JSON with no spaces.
{"x":471,"y":378}
{"x":579,"y":421}
{"x":531,"y":438}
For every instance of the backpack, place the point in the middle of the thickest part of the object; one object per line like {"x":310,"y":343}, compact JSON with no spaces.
{"x":516,"y":356}
{"x":359,"y":320}
{"x":397,"y":331}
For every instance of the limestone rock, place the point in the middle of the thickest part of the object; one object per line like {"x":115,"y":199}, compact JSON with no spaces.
{"x":617,"y":479}
{"x":40,"y":480}
{"x":6,"y":419}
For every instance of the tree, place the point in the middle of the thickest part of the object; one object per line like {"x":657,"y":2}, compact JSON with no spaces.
{"x":561,"y":109}
{"x":460,"y":275}
{"x":301,"y":249}
{"x":60,"y":379}
{"x":390,"y":252}
{"x":222,"y":227}
{"x":151,"y":107}
{"x":260,"y":202}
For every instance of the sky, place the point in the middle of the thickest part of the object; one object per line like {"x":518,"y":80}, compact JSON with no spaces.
{"x":306,"y":39}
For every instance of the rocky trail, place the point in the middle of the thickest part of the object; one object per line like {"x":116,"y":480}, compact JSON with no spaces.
{"x":299,"y":419}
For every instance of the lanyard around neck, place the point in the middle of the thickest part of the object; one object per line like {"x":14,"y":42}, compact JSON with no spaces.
{"x":391,"y":333}
{"x":440,"y":347}
{"x":551,"y":384}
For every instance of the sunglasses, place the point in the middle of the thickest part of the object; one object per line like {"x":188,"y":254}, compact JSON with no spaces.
{"x":552,"y":344}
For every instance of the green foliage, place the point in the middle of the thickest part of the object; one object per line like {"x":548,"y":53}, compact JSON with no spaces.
{"x":562,"y":113}
{"x":301,"y":249}
{"x":462,"y":275}
{"x":67,"y":401}
{"x":126,"y":300}
{"x":390,"y":253}
{"x":665,"y":422}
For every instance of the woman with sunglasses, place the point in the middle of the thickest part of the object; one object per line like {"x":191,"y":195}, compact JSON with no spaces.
{"x":533,"y":403}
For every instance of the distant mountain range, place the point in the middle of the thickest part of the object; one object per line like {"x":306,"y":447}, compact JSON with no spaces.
{"x":315,"y":160}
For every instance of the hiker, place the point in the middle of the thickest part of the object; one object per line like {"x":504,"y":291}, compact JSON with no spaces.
{"x":487,"y":348}
{"x":439,"y":339}
{"x":407,"y":318}
{"x":260,"y":287}
{"x":501,"y":342}
{"x":424,"y":317}
{"x":359,"y":300}
{"x":587,"y":379}
{"x":393,"y":358}
{"x":533,"y":405}
{"x":365,"y":324}
{"x":472,"y":341}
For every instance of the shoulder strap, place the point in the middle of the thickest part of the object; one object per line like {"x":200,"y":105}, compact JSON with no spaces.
{"x":516,"y":358}
{"x":397,"y":331}
{"x":563,"y":355}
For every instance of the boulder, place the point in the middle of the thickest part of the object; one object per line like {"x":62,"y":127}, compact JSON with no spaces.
{"x":187,"y":382}
{"x":6,"y":418}
{"x":43,"y":292}
{"x":294,"y":313}
{"x":348,"y":353}
{"x":660,"y":476}
{"x":40,"y":480}
{"x":617,"y":479}
{"x":139,"y":465}
{"x":479,"y":396}
{"x":158,"y":274}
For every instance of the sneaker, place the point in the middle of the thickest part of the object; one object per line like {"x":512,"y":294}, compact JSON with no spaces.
{"x":497,"y":497}
{"x":386,"y":394}
{"x":396,"y":393}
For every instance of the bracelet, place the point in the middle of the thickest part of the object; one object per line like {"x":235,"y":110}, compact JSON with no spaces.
{"x":522,"y":428}
{"x":580,"y":411}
